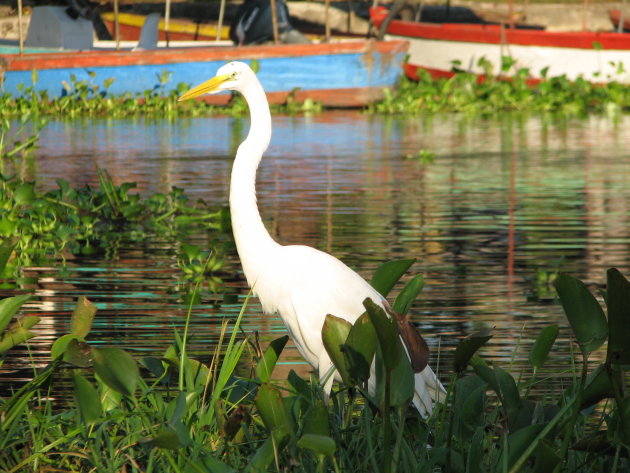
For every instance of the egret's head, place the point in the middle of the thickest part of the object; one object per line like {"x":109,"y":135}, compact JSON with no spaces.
{"x":231,"y":76}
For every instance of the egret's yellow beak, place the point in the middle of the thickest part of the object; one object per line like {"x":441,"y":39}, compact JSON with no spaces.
{"x":206,"y":88}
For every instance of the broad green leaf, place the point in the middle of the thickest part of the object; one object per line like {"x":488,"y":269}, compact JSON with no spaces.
{"x":467,"y":348}
{"x":359,"y":349}
{"x":28,"y":321}
{"x":8,"y":307}
{"x":24,"y":193}
{"x":618,"y":300}
{"x":509,"y":390}
{"x":78,"y":353}
{"x":17,"y":333}
{"x":154,"y":365}
{"x":403,"y":382}
{"x":166,"y":438}
{"x":334,"y":335}
{"x":519,"y":441}
{"x":5,"y":254}
{"x":7,"y":226}
{"x":182,"y":431}
{"x":178,"y":408}
{"x":388,"y":274}
{"x":300,"y":386}
{"x":387,"y":334}
{"x":211,"y":464}
{"x":316,"y":420}
{"x":598,"y":385}
{"x":585,"y":315}
{"x":542,"y":346}
{"x":501,"y":382}
{"x":450,"y":459}
{"x":470,"y":398}
{"x":318,"y":444}
{"x":82,"y":318}
{"x":117,"y":369}
{"x":476,"y":451}
{"x":547,"y":457}
{"x":272,"y":410}
{"x":196,"y":373}
{"x":263,"y":457}
{"x":59,"y":346}
{"x":191,"y":251}
{"x":408,"y":295}
{"x":486,"y":373}
{"x":110,"y":399}
{"x":87,"y":399}
{"x":266,"y":364}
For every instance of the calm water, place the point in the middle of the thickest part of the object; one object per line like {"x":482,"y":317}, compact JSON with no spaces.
{"x":502,"y":201}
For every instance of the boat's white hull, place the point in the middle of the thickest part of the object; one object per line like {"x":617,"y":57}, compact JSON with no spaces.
{"x":441,"y":57}
{"x":442,"y":48}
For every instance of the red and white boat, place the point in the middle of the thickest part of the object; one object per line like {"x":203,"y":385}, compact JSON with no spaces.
{"x":441,"y":47}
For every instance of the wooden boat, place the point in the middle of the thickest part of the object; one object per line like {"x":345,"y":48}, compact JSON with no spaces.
{"x":345,"y":74}
{"x":443,"y":48}
{"x":130,"y":25}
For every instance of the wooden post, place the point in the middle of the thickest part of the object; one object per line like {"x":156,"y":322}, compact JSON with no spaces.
{"x":116,"y":25}
{"x":20,"y":31}
{"x":220,"y":23}
{"x":326,"y":20}
{"x":167,"y":19}
{"x":274,"y":21}
{"x":585,"y":16}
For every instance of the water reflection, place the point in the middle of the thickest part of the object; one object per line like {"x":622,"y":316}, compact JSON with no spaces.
{"x":504,"y":201}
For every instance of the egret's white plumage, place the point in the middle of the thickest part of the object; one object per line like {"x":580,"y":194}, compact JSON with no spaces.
{"x":299,"y":283}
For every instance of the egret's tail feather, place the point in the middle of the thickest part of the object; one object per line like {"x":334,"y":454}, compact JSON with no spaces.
{"x":428,"y":391}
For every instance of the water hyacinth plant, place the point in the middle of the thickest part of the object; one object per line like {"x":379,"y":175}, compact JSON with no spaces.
{"x":507,"y":90}
{"x":173,"y":413}
{"x":84,"y":98}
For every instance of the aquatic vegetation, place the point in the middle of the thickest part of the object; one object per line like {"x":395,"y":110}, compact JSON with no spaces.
{"x":512,"y":90}
{"x":18,"y":142}
{"x":45,"y":225}
{"x":19,"y":331}
{"x":465,"y":92}
{"x":174,"y":413}
{"x":84,"y":98}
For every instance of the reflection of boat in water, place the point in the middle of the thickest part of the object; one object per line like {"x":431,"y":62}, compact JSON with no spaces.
{"x":344,"y":74}
{"x":441,"y":48}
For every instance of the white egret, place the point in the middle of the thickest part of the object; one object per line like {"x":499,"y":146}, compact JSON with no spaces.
{"x":299,"y":283}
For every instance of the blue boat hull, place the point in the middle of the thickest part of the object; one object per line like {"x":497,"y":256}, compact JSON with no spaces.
{"x":351,"y":74}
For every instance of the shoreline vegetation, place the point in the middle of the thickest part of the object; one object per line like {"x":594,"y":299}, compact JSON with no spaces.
{"x":464,"y":92}
{"x":174,"y":413}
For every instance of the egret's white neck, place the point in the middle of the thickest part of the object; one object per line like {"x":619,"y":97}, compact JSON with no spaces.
{"x":253,"y":242}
